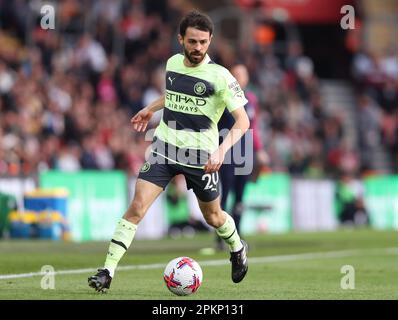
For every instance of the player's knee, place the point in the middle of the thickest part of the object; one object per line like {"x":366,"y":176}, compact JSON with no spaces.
{"x":136,"y":211}
{"x":214,"y":218}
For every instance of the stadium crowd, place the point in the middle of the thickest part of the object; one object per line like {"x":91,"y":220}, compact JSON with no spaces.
{"x":376,"y":81}
{"x":66,"y":95}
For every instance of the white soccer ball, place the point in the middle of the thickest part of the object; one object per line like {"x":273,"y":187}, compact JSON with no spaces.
{"x":183,"y":276}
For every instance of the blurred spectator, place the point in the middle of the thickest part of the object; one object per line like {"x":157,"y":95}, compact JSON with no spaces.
{"x":375,"y":76}
{"x":68,"y":158}
{"x":369,"y":124}
{"x":155,"y":89}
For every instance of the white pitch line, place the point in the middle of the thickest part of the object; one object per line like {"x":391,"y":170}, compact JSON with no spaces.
{"x":267,"y":259}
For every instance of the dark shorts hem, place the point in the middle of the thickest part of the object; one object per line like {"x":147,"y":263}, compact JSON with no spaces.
{"x":148,"y":179}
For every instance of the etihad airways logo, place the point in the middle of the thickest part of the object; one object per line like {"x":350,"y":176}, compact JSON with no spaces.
{"x":187,"y":100}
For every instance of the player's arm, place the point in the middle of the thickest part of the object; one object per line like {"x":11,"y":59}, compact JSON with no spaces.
{"x":141,"y":119}
{"x":239,"y":128}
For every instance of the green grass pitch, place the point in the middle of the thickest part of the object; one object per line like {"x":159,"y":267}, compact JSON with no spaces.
{"x":281,"y":267}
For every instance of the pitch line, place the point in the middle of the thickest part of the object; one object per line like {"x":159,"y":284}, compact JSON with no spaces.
{"x":255,"y":260}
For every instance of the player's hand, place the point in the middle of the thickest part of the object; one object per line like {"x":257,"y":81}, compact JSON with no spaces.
{"x":215,"y":161}
{"x":141,"y":119}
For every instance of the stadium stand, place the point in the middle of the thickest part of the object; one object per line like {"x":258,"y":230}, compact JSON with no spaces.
{"x":65,"y":94}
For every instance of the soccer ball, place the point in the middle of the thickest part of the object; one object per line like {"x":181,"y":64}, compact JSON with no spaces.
{"x":183,"y":276}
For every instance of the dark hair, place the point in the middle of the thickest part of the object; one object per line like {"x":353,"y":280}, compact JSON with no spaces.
{"x":197,"y":20}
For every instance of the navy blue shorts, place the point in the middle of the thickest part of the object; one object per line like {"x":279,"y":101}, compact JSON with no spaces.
{"x":206,"y":186}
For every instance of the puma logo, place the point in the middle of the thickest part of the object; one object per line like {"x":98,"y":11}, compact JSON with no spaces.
{"x":171,"y":80}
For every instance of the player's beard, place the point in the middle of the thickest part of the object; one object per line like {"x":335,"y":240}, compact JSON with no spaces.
{"x":194,"y":59}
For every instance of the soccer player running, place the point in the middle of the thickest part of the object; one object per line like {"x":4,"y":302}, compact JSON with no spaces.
{"x":186,"y":142}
